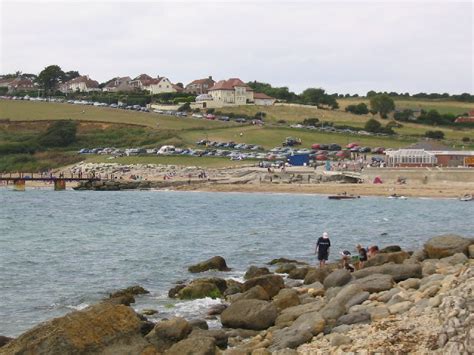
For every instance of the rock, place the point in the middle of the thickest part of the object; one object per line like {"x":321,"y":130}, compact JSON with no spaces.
{"x":400,"y":307}
{"x":285,"y":268}
{"x":387,"y":296}
{"x":290,"y":283}
{"x":173,"y":292}
{"x":292,"y":313}
{"x":357,"y":299}
{"x":233,"y":287}
{"x":200,"y":288}
{"x":241,"y":333}
{"x":410,"y":283}
{"x":198,"y":324}
{"x":220,"y":336}
{"x":458,"y":258}
{"x":214,"y":263}
{"x":399,"y":272}
{"x":384,"y":258}
{"x":391,"y":249}
{"x":102,"y":328}
{"x":289,"y":338}
{"x":428,"y":268}
{"x":375,"y":283}
{"x":471,"y":251}
{"x":132,"y":290}
{"x":168,"y":332}
{"x":332,"y":292}
{"x":284,"y":261}
{"x":336,"y":307}
{"x":418,"y":255}
{"x":339,"y":339}
{"x":315,"y":286}
{"x":337,"y":278}
{"x":249,"y":314}
{"x":435,"y":301}
{"x":149,"y":312}
{"x":4,"y":340}
{"x":194,"y":346}
{"x":354,"y":318}
{"x":315,"y":275}
{"x":298,"y":273}
{"x":430,"y":291}
{"x":312,"y":321}
{"x":254,"y":271}
{"x":432,"y":279}
{"x":446,"y":245}
{"x":343,"y":328}
{"x":287,"y":297}
{"x":378,"y":313}
{"x":216,"y":309}
{"x":255,"y":293}
{"x":285,"y":352}
{"x":146,"y":327}
{"x":261,"y":351}
{"x":271,"y":283}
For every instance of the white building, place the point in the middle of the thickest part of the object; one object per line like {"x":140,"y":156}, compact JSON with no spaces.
{"x":231,"y":92}
{"x":80,"y":84}
{"x":154,"y":86}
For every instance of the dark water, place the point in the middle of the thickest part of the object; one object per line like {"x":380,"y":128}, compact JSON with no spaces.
{"x":63,"y":250}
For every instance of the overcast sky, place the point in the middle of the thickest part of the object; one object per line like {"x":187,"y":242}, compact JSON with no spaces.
{"x":345,"y":47}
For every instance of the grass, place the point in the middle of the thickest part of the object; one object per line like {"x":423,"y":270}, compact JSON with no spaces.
{"x":36,"y":162}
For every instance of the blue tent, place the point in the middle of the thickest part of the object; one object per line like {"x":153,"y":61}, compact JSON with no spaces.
{"x":298,"y":159}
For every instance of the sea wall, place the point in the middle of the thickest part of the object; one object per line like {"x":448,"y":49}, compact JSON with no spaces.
{"x":421,"y":175}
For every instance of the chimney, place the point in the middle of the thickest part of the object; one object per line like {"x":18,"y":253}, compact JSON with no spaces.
{"x":210,"y":77}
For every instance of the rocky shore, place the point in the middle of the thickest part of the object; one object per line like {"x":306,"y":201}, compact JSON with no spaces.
{"x":399,"y":302}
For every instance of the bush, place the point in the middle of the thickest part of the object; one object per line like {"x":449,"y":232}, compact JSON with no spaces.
{"x":466,"y":139}
{"x":210,"y":110}
{"x":359,"y":109}
{"x":373,"y":125}
{"x":59,"y":134}
{"x":311,"y":121}
{"x":185,"y":107}
{"x":434,"y":134}
{"x":404,"y":115}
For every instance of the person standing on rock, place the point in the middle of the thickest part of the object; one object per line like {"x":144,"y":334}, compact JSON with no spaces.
{"x":322,"y":249}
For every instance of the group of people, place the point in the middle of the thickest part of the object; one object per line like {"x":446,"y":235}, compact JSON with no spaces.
{"x":323,"y":246}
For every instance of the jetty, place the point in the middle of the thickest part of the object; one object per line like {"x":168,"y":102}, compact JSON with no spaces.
{"x":59,"y":182}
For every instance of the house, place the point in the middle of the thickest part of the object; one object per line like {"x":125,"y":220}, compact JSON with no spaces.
{"x":17,"y":84}
{"x":200,"y":86}
{"x":262,"y":99}
{"x":466,"y":119}
{"x":119,"y":84}
{"x":81,"y":83}
{"x":154,"y":86}
{"x":231,"y":92}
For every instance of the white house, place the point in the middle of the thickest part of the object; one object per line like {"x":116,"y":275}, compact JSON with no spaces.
{"x":263,"y":99}
{"x":154,"y":86}
{"x":231,"y":92}
{"x":82,"y":84}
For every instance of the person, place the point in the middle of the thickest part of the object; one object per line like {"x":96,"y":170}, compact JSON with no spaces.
{"x":322,"y":249}
{"x":346,"y":257}
{"x":362,"y":255}
{"x":373,"y":250}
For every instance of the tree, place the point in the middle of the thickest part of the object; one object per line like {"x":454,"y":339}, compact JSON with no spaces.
{"x":434,"y":134}
{"x":404,"y":115}
{"x":50,"y":77}
{"x":373,"y":125}
{"x":313,"y":96}
{"x":70,"y":75}
{"x":185,"y":107}
{"x":383,"y":104}
{"x":371,"y":93}
{"x":180,"y":85}
{"x":59,"y":134}
{"x":359,"y":109}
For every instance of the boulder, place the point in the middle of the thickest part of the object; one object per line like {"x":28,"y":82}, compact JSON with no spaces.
{"x":4,"y":340}
{"x":458,"y":258}
{"x":233,"y":287}
{"x":198,"y":323}
{"x":391,"y":249}
{"x":285,"y":268}
{"x":336,"y":307}
{"x":311,"y":321}
{"x":387,"y":296}
{"x":337,"y":278}
{"x":194,"y":346}
{"x":375,"y":283}
{"x":400,"y":307}
{"x":168,"y":332}
{"x":173,"y":292}
{"x":446,"y":245}
{"x":332,"y":292}
{"x":216,"y":309}
{"x":255,"y":271}
{"x":337,"y":339}
{"x":285,"y":261}
{"x":399,"y":272}
{"x":102,"y":328}
{"x":384,"y":258}
{"x":255,"y":293}
{"x":214,"y":263}
{"x":132,"y":290}
{"x":410,"y":283}
{"x":343,"y":328}
{"x":471,"y":251}
{"x":358,"y":298}
{"x":271,"y":283}
{"x":288,"y":315}
{"x":418,"y":255}
{"x":200,"y":288}
{"x":428,"y":268}
{"x":378,"y":313}
{"x":354,"y":318}
{"x":287,"y":297}
{"x":249,"y":314}
{"x":314,"y":275}
{"x":289,"y":338}
{"x":219,"y":335}
{"x":298,"y":273}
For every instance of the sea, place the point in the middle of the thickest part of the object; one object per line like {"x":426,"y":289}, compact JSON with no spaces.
{"x":62,"y":251}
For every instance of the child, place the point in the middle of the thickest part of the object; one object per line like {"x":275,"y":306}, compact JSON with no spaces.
{"x":346,"y":257}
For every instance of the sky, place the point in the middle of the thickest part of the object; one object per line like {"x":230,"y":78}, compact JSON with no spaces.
{"x":345,"y":47}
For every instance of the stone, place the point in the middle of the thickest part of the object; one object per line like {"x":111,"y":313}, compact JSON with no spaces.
{"x":193,"y":346}
{"x":391,"y":249}
{"x":255,"y":271}
{"x":102,"y":328}
{"x":409,"y":283}
{"x":271,"y":283}
{"x":289,"y":338}
{"x":384,"y":258}
{"x":332,"y":292}
{"x":375,"y":283}
{"x":168,"y":332}
{"x":337,"y":339}
{"x":435,"y":301}
{"x":285,"y":352}
{"x":315,"y":286}
{"x":220,"y":336}
{"x":214,"y":263}
{"x":446,"y":245}
{"x":173,"y":292}
{"x":358,"y":298}
{"x":285,"y":268}
{"x":284,"y":261}
{"x":216,"y":309}
{"x":471,"y":251}
{"x":4,"y":340}
{"x":255,"y":293}
{"x":418,"y":255}
{"x":378,"y":313}
{"x":430,"y":291}
{"x":458,"y":258}
{"x":290,"y":283}
{"x":354,"y":318}
{"x":400,"y":307}
{"x":261,"y":351}
{"x":343,"y":328}
{"x":198,"y":323}
{"x":387,"y":295}
{"x":148,"y":312}
{"x":399,"y":272}
{"x":132,"y":290}
{"x":428,"y":268}
{"x":299,"y":273}
{"x":249,"y":314}
{"x":337,"y":278}
{"x":292,"y":313}
{"x":316,"y":275}
{"x":311,"y":321}
{"x":287,"y":297}
{"x":200,"y":288}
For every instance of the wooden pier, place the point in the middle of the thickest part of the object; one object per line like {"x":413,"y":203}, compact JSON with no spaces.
{"x":19,"y":180}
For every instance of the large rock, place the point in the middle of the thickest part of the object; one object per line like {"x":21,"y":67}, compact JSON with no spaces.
{"x":336,"y":307}
{"x":391,"y":249}
{"x":358,"y":298}
{"x":271,"y":283}
{"x":255,"y":293}
{"x":384,"y":258}
{"x":101,"y":329}
{"x":375,"y":283}
{"x":219,"y":335}
{"x":194,"y":346}
{"x":354,"y":318}
{"x":214,"y":263}
{"x":314,"y":275}
{"x":286,"y":298}
{"x":471,"y":251}
{"x":312,"y":321}
{"x":4,"y":340}
{"x":446,"y":245}
{"x":288,"y":315}
{"x":399,"y":272}
{"x":299,"y":273}
{"x":249,"y":314}
{"x":289,"y":338}
{"x":255,"y":271}
{"x":337,"y":278}
{"x":285,"y":268}
{"x":285,"y":261}
{"x":458,"y":258}
{"x":201,"y":288}
{"x":168,"y":332}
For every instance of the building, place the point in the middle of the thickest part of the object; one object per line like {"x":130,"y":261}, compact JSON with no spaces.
{"x":263,"y":99}
{"x":231,"y":92}
{"x":81,"y":83}
{"x":466,"y":119}
{"x":119,"y":84}
{"x":153,"y":85}
{"x":426,"y":158}
{"x":18,"y":84}
{"x":200,"y":86}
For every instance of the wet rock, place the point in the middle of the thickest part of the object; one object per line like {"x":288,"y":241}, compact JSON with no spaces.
{"x":220,"y":336}
{"x":194,"y":346}
{"x":337,"y":278}
{"x":214,"y":263}
{"x":146,"y":327}
{"x":173,"y":292}
{"x":4,"y":340}
{"x":168,"y":332}
{"x":103,"y":328}
{"x":354,"y":318}
{"x":384,"y":258}
{"x":271,"y":283}
{"x":285,"y":268}
{"x":298,"y":273}
{"x":149,"y":312}
{"x":132,"y":290}
{"x":216,"y":309}
{"x":255,"y":293}
{"x":249,"y":314}
{"x":375,"y":283}
{"x":286,"y":298}
{"x":292,"y":313}
{"x":391,"y":249}
{"x":198,"y":324}
{"x":200,"y":288}
{"x":399,"y":272}
{"x":316,"y":275}
{"x":233,"y":287}
{"x":446,"y":245}
{"x":255,"y":271}
{"x":284,"y":261}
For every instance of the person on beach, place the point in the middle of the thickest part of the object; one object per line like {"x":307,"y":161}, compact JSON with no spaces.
{"x":362,"y":255}
{"x":373,"y":250}
{"x":346,"y":258}
{"x":322,"y":249}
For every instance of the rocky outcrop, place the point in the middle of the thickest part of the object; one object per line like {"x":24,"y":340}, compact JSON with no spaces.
{"x":249,"y":314}
{"x":384,"y":258}
{"x":101,"y":329}
{"x":286,"y":298}
{"x":212,"y":287}
{"x":285,"y":268}
{"x":391,"y":249}
{"x":337,"y":278}
{"x":255,"y":293}
{"x":272,"y":284}
{"x":4,"y":340}
{"x":375,"y":283}
{"x":446,"y":245}
{"x":126,"y":296}
{"x":298,"y":273}
{"x":318,"y":274}
{"x":399,"y":272}
{"x":255,"y":271}
{"x":214,"y":263}
{"x":194,"y":346}
{"x":168,"y":332}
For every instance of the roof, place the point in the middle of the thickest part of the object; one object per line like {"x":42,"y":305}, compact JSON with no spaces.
{"x":230,"y":84}
{"x":202,"y":81}
{"x":429,"y":145}
{"x":262,"y":96}
{"x":113,"y":83}
{"x":84,"y":79}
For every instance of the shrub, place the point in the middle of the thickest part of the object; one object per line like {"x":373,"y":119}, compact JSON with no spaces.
{"x":59,"y":134}
{"x":434,"y":134}
{"x":466,"y":139}
{"x":313,"y":121}
{"x":185,"y":107}
{"x":359,"y":109}
{"x":373,"y":125}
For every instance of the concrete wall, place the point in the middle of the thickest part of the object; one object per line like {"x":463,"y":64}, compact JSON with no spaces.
{"x":421,"y":175}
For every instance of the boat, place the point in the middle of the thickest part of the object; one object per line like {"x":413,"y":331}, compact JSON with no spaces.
{"x":466,"y":197}
{"x":397,"y":197}
{"x":342,"y":197}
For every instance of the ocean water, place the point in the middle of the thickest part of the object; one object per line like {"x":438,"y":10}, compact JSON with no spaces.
{"x":61,"y":251}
